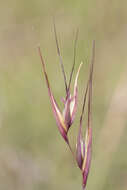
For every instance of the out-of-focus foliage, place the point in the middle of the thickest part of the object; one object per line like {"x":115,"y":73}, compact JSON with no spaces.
{"x":32,"y":153}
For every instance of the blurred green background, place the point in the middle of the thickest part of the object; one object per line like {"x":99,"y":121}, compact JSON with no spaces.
{"x":33,"y":156}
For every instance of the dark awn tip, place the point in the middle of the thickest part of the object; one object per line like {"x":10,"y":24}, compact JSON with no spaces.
{"x":88,"y":88}
{"x":43,"y":66}
{"x":60,"y":58}
{"x":74,"y":59}
{"x":91,"y":85}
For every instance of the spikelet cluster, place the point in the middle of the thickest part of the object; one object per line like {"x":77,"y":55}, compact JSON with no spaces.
{"x":64,"y":119}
